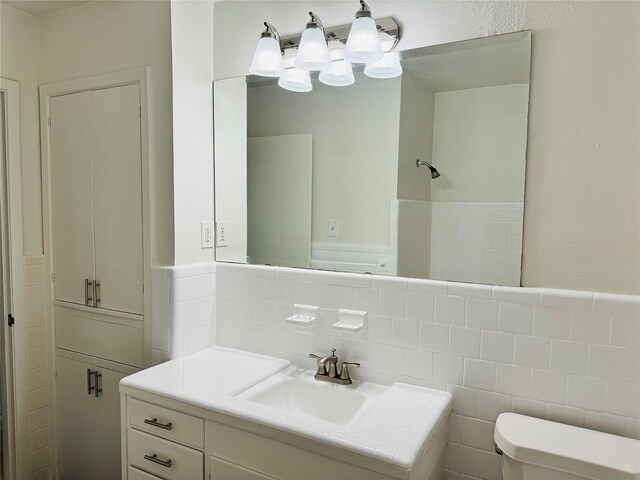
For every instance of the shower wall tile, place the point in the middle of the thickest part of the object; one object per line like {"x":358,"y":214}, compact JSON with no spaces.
{"x":476,"y":242}
{"x":571,"y":357}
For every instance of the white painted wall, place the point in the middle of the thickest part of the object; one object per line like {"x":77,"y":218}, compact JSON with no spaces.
{"x":355,"y":149}
{"x":582,"y":200}
{"x":20,"y":61}
{"x":230,"y":97}
{"x":101,"y":37}
{"x":416,"y":138}
{"x":192,"y":77}
{"x":479,"y":144}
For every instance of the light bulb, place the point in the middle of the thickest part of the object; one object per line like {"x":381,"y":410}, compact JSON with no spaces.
{"x":340,"y":74}
{"x":296,"y":80}
{"x":388,"y":67}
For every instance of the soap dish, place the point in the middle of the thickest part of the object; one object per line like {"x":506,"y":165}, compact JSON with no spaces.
{"x":302,"y":320}
{"x":303,"y":315}
{"x":350,"y":321}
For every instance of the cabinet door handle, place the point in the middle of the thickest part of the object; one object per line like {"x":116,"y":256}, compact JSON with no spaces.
{"x":98,"y":389}
{"x":154,"y":458}
{"x":155,"y":423}
{"x":96,"y":293}
{"x":87,"y":291}
{"x":90,"y":387}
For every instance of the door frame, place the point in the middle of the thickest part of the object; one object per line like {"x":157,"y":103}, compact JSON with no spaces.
{"x":142,"y":77}
{"x":13,"y":338}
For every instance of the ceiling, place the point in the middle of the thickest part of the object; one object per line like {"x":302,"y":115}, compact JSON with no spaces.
{"x":40,"y":8}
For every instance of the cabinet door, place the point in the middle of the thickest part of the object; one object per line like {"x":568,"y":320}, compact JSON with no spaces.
{"x":71,"y":195}
{"x":88,"y":428}
{"x":117,"y":183}
{"x":75,"y":422}
{"x":106,"y":419}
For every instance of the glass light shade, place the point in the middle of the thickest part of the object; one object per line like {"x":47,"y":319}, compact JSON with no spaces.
{"x":363,"y":44}
{"x":313,"y":53}
{"x":388,"y":67}
{"x":339,"y":75}
{"x":267,"y":59}
{"x":296,"y":80}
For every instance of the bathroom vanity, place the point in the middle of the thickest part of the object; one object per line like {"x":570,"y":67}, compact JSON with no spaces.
{"x":229,"y":414}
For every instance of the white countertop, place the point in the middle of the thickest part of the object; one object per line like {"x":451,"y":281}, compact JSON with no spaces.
{"x":393,"y":428}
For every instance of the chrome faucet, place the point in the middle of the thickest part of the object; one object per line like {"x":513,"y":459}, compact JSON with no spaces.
{"x":328,"y":369}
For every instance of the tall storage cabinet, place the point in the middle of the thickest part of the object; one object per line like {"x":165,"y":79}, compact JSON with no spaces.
{"x":98,"y":257}
{"x":96,"y":198}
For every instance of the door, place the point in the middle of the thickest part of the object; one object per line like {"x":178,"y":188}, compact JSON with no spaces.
{"x":88,"y":427}
{"x":279,"y":200}
{"x":71,"y":195}
{"x":117,"y":197}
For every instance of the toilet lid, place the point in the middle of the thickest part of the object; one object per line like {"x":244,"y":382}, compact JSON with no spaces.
{"x":567,"y":448}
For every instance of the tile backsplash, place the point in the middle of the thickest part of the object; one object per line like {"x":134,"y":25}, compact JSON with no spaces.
{"x":572,"y":357}
{"x":183,"y":310}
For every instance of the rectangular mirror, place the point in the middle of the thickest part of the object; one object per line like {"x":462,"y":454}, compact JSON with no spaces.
{"x":421,"y":175}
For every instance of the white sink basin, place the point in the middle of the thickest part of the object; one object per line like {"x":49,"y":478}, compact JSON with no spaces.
{"x":298,"y":392}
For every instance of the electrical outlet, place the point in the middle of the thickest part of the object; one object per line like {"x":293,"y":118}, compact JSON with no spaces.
{"x":221,"y":234}
{"x":332,"y":228}
{"x":206,"y":235}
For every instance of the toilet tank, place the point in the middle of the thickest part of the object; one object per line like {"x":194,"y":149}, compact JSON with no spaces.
{"x":534,"y":449}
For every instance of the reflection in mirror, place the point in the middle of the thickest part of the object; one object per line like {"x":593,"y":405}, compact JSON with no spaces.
{"x":421,"y":175}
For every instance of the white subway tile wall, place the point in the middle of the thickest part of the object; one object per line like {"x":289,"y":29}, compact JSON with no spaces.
{"x":476,"y":242}
{"x":184,"y":308}
{"x":38,"y":365}
{"x":571,"y":357}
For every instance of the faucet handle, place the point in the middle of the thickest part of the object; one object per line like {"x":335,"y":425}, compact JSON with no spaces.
{"x":320,"y":367}
{"x":344,"y":370}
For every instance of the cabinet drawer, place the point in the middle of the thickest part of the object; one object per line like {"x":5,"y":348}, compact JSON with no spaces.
{"x":221,"y":470}
{"x":181,"y":463}
{"x":135,"y":474}
{"x":169,"y":424}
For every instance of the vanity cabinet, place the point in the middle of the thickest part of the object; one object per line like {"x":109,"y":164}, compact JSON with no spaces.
{"x":163,"y":443}
{"x":96,"y":198}
{"x":88,"y":420}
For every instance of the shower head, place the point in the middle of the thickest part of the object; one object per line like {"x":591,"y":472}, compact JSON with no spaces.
{"x":434,"y":172}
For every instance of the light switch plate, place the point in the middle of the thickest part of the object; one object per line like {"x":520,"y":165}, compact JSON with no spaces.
{"x":332,"y":228}
{"x":206,"y":235}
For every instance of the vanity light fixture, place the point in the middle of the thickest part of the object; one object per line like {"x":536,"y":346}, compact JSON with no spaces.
{"x":267,"y":58}
{"x":363,"y":44}
{"x":331,"y":52}
{"x":313,"y":52}
{"x":387,"y":67}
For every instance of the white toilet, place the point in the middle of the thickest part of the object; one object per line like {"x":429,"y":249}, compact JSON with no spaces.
{"x":535,"y":449}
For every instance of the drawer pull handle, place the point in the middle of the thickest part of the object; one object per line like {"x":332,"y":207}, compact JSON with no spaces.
{"x":154,"y":458}
{"x":90,"y":388}
{"x":97,"y":375}
{"x":155,"y":423}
